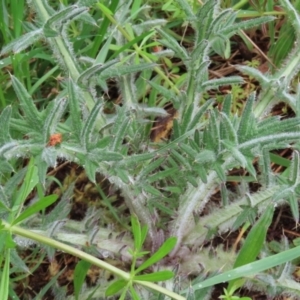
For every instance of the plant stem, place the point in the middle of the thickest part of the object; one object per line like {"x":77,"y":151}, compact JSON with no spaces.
{"x":87,"y":257}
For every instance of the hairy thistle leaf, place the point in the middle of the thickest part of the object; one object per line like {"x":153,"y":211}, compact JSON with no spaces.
{"x":23,"y":42}
{"x":31,"y":113}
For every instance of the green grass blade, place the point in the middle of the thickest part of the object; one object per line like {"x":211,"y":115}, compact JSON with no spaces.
{"x":251,"y":269}
{"x":4,"y":285}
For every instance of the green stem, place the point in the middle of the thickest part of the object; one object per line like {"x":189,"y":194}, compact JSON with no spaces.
{"x":82,"y":255}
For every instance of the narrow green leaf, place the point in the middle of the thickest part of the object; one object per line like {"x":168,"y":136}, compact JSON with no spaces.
{"x":30,"y":181}
{"x":151,"y":190}
{"x":4,"y":285}
{"x":187,"y":116}
{"x":80,"y":272}
{"x":167,"y":93}
{"x":254,"y":241}
{"x":232,"y":29}
{"x":64,"y":15}
{"x":216,"y":83}
{"x":224,"y":194}
{"x":211,"y":135}
{"x":156,"y":276}
{"x":173,"y":189}
{"x":255,"y":73}
{"x":134,"y":294}
{"x":133,"y":159}
{"x":87,"y":130}
{"x":255,"y":238}
{"x":144,"y":233}
{"x":293,"y":202}
{"x":226,"y":105}
{"x":188,"y":150}
{"x":191,"y":179}
{"x":120,"y":133}
{"x":165,"y":248}
{"x":240,"y":157}
{"x":136,"y":230}
{"x":225,"y":18}
{"x":186,"y":7}
{"x":172,"y":44}
{"x":4,"y":125}
{"x":197,"y":139}
{"x":249,"y":270}
{"x":123,"y":175}
{"x":222,"y":46}
{"x":98,"y":155}
{"x":160,"y":206}
{"x":275,"y":140}
{"x":201,"y":172}
{"x":36,"y":207}
{"x":217,"y":166}
{"x":153,"y":165}
{"x":30,"y":111}
{"x":199,"y":52}
{"x":247,"y":114}
{"x":22,"y":42}
{"x":120,"y":70}
{"x":205,"y":17}
{"x":265,"y":162}
{"x":106,"y":10}
{"x":53,"y":113}
{"x":74,"y":106}
{"x":295,"y":168}
{"x":115,"y":287}
{"x":201,"y":111}
{"x":228,"y":127}
{"x":94,"y":70}
{"x":284,"y":193}
{"x":132,"y":42}
{"x":180,"y":159}
{"x":176,"y":129}
{"x":90,"y":169}
{"x":205,"y":156}
{"x":275,"y":125}
{"x":162,"y":174}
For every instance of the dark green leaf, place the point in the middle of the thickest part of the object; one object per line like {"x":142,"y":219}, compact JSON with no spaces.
{"x":80,"y":272}
{"x":115,"y":287}
{"x":156,"y":276}
{"x":136,"y":230}
{"x":165,"y":248}
{"x":36,"y":207}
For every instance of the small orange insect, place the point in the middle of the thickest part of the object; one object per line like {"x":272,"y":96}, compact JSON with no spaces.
{"x":55,"y":139}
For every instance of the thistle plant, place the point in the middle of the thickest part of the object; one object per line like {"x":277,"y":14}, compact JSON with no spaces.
{"x":166,"y":185}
